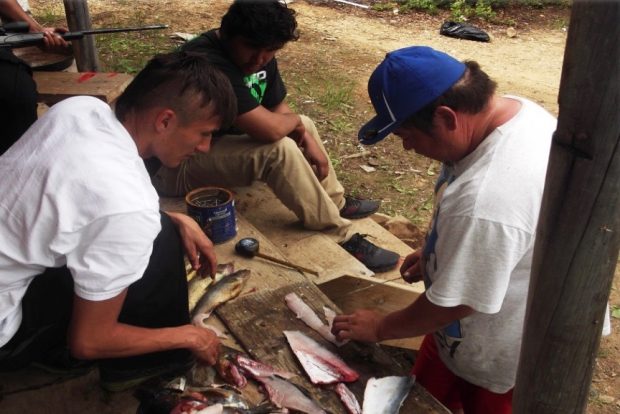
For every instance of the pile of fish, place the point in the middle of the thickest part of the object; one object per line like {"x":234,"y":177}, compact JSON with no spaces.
{"x":323,"y":367}
{"x":381,"y":395}
{"x":174,"y":399}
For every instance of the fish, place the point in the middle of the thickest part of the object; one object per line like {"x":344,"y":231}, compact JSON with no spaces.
{"x":386,"y":395}
{"x":192,"y":399}
{"x":197,"y":285}
{"x":321,"y":365}
{"x":310,"y":318}
{"x":230,"y":372}
{"x":285,"y":394}
{"x":259,"y":369}
{"x":348,"y":399}
{"x":229,"y":287}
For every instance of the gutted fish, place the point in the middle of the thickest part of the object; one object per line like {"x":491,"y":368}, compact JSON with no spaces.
{"x":285,"y":394}
{"x":229,"y":287}
{"x":348,"y":399}
{"x":310,"y":318}
{"x":258,"y":369}
{"x":197,"y":285}
{"x":321,"y":365}
{"x":386,"y":395}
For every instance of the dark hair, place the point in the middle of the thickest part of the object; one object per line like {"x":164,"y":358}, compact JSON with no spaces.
{"x":180,"y":81}
{"x":470,"y":94}
{"x":264,"y":23}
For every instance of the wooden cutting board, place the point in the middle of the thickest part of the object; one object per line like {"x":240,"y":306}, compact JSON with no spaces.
{"x":258,"y":319}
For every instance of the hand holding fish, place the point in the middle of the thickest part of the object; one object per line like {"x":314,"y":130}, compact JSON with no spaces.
{"x":411,"y":269}
{"x":198,"y":247}
{"x":361,"y":325}
{"x":205,"y":344}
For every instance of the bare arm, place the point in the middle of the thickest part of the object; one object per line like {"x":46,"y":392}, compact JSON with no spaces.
{"x":14,"y":12}
{"x":269,"y":125}
{"x":419,"y":318}
{"x":198,"y":247}
{"x":96,"y":333}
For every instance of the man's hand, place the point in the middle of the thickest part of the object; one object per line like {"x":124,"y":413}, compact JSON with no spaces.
{"x":52,"y":41}
{"x":198,"y":247}
{"x":206,"y":345}
{"x":411,"y":269}
{"x":362,"y":325}
{"x":316,"y":158}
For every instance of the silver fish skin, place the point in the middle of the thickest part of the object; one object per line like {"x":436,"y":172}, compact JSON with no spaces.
{"x":258,"y":369}
{"x":197,"y":285}
{"x":386,"y":395}
{"x":229,"y":287}
{"x":285,"y":394}
{"x":348,"y":399}
{"x":321,"y":365}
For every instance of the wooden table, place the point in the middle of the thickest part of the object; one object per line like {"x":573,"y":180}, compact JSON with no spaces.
{"x":257,"y":321}
{"x":56,"y":86}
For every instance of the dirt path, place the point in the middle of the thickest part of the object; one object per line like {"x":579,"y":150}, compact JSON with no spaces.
{"x":529,"y":64}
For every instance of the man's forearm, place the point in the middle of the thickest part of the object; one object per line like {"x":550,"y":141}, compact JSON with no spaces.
{"x":128,"y":340}
{"x":14,"y":12}
{"x":419,"y":318}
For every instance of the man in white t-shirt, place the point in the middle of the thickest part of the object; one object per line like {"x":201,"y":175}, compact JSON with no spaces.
{"x":87,"y":261}
{"x":477,"y":256}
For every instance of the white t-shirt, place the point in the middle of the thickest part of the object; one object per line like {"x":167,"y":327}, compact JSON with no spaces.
{"x":75,"y":192}
{"x":479,"y":249}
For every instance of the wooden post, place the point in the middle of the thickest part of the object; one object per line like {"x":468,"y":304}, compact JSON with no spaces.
{"x":84,"y":50}
{"x":579,"y":229}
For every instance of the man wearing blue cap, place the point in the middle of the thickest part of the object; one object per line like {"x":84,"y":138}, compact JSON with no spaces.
{"x":477,"y":256}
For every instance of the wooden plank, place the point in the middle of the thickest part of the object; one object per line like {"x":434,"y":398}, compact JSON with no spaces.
{"x":353,"y":292}
{"x":257,"y":321}
{"x":56,"y":86}
{"x":310,"y":248}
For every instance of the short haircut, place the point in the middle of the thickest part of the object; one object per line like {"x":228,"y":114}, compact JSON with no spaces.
{"x":470,"y":94}
{"x":266,"y":23}
{"x":183,"y":82}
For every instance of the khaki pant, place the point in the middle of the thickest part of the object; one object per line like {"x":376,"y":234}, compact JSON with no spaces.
{"x":238,"y":160}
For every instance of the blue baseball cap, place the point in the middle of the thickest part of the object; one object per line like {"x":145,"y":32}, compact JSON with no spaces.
{"x":406,"y":81}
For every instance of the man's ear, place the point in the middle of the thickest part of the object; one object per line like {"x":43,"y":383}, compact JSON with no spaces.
{"x":164,"y":119}
{"x":445,"y":117}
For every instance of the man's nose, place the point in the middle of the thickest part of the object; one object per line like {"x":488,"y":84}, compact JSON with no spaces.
{"x":262,"y":58}
{"x":204,"y":146}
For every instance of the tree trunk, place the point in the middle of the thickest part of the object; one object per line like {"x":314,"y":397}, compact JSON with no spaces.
{"x":579,"y":229}
{"x":84,"y":50}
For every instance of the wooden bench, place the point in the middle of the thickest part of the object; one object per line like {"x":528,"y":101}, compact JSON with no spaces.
{"x":56,"y":86}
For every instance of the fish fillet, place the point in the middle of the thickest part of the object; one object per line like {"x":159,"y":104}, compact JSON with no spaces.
{"x":348,"y":399}
{"x":258,"y":369}
{"x":321,"y":365}
{"x":386,"y":395}
{"x":310,"y":318}
{"x":287,"y":395}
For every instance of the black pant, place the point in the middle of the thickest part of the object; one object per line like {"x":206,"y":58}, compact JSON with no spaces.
{"x":158,"y":299}
{"x":18,"y":99}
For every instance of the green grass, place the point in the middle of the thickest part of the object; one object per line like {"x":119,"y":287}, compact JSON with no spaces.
{"x":129,"y":52}
{"x":337,"y":95}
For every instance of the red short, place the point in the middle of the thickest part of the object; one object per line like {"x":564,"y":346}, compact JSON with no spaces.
{"x":454,"y":392}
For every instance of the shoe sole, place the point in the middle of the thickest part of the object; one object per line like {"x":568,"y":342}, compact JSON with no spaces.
{"x":383,"y":269}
